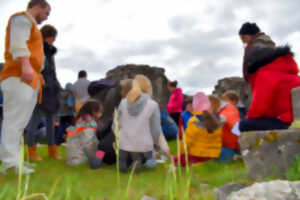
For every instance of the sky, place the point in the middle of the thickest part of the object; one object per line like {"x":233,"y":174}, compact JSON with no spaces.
{"x":195,"y":41}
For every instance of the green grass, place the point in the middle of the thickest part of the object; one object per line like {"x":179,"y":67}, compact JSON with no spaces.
{"x":59,"y":181}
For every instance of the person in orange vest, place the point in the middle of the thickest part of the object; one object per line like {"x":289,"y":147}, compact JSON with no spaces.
{"x":230,"y":145}
{"x":21,"y":79}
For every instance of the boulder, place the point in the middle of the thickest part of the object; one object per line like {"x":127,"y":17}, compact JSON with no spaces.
{"x":237,"y":84}
{"x":223,"y":192}
{"x":269,"y":153}
{"x":156,"y":75}
{"x":275,"y":190}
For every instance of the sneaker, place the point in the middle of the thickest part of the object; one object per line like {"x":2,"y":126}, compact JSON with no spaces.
{"x":25,"y":169}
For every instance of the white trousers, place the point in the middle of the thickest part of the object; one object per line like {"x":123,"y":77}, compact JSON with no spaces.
{"x":19,"y":102}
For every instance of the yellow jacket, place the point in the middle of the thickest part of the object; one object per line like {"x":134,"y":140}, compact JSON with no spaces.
{"x":199,"y":142}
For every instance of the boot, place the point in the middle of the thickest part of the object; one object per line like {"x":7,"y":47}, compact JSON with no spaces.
{"x":33,"y":156}
{"x":52,"y":152}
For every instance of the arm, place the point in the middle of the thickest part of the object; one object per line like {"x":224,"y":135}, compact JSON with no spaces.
{"x":20,"y":28}
{"x":155,"y":126}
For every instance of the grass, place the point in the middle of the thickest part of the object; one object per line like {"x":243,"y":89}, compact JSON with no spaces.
{"x":58,"y":181}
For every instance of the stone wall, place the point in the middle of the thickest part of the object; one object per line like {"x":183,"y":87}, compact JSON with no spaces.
{"x":237,"y":84}
{"x":155,"y":74}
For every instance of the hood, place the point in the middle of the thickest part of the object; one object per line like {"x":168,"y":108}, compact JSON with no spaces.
{"x":49,"y":50}
{"x":261,"y":57}
{"x":137,"y":107}
{"x":177,"y":91}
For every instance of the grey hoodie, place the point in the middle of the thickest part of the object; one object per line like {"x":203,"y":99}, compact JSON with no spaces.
{"x":137,"y":108}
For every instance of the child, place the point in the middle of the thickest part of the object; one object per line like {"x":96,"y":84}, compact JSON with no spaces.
{"x":81,"y":138}
{"x":139,"y":124}
{"x":203,"y":134}
{"x":232,"y":97}
{"x":228,"y":110}
{"x":105,"y":133}
{"x":188,"y":113}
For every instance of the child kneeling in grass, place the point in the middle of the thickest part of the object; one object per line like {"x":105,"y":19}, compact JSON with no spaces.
{"x":81,"y":138}
{"x":139,"y":124}
{"x":203,"y":135}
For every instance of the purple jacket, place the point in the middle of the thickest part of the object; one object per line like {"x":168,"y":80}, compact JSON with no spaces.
{"x":175,"y":102}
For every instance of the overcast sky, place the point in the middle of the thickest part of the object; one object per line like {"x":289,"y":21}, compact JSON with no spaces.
{"x":196,"y":41}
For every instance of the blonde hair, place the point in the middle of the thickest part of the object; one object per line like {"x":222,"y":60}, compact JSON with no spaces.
{"x":141,"y":84}
{"x":215,"y":103}
{"x":126,"y":86}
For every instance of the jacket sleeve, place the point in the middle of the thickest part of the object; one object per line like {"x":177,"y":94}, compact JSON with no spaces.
{"x":155,"y":126}
{"x":263,"y":92}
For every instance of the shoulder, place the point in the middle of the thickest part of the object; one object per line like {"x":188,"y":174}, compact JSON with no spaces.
{"x":20,"y":19}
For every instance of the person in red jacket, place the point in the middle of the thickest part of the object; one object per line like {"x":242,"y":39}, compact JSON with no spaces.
{"x":272,"y":73}
{"x":176,"y":101}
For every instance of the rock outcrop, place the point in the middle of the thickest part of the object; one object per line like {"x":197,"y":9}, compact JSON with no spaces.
{"x":274,"y":190}
{"x":223,"y":192}
{"x":237,"y":84}
{"x":155,"y":74}
{"x":269,"y":153}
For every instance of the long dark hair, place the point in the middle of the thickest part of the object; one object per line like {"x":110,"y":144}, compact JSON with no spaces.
{"x":89,"y":109}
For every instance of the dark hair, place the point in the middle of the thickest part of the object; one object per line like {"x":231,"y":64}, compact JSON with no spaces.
{"x":173,"y":84}
{"x":82,"y":74}
{"x":249,"y":29}
{"x":48,"y":31}
{"x":231,"y":95}
{"x":42,"y":3}
{"x":89,"y":108}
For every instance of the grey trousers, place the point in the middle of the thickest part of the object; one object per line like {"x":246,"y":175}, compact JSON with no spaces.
{"x":133,"y":159}
{"x":32,"y":127}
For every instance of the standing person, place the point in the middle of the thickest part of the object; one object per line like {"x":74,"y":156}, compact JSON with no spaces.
{"x":21,"y":78}
{"x":50,"y":99}
{"x":272,"y":73}
{"x":176,"y":101}
{"x":80,"y":89}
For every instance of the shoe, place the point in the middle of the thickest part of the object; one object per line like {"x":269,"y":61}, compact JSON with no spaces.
{"x":32,"y":154}
{"x":52,"y":152}
{"x":25,"y":170}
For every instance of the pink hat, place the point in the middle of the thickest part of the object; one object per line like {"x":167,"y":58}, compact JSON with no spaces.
{"x":200,"y":102}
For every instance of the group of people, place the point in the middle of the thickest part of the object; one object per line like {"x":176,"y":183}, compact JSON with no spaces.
{"x":208,"y":127}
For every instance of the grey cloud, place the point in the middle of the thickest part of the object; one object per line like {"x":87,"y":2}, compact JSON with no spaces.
{"x":194,"y":45}
{"x":82,"y":59}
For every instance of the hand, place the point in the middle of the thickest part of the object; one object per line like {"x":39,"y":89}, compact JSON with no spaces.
{"x":27,"y":71}
{"x":27,"y":74}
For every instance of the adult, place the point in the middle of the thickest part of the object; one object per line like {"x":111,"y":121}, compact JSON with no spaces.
{"x":176,"y":101}
{"x":50,"y":104}
{"x":272,"y":73}
{"x":80,"y":89}
{"x":21,"y":78}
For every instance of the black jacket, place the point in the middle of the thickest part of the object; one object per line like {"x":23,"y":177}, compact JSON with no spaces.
{"x":52,"y":89}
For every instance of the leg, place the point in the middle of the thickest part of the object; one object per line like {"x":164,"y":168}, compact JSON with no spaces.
{"x":19,"y":102}
{"x":137,"y":161}
{"x":32,"y":127}
{"x":123,"y":161}
{"x":52,"y":150}
{"x":262,"y":124}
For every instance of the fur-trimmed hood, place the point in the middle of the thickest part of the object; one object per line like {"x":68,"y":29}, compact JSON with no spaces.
{"x":260,"y":57}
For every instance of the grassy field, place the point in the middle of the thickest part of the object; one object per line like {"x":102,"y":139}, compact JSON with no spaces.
{"x":58,"y":181}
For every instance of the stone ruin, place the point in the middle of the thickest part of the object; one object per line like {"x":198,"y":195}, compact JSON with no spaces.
{"x":237,"y":84}
{"x":156,"y":75}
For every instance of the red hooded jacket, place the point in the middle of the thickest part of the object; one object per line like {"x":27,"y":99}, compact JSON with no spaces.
{"x":271,"y":86}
